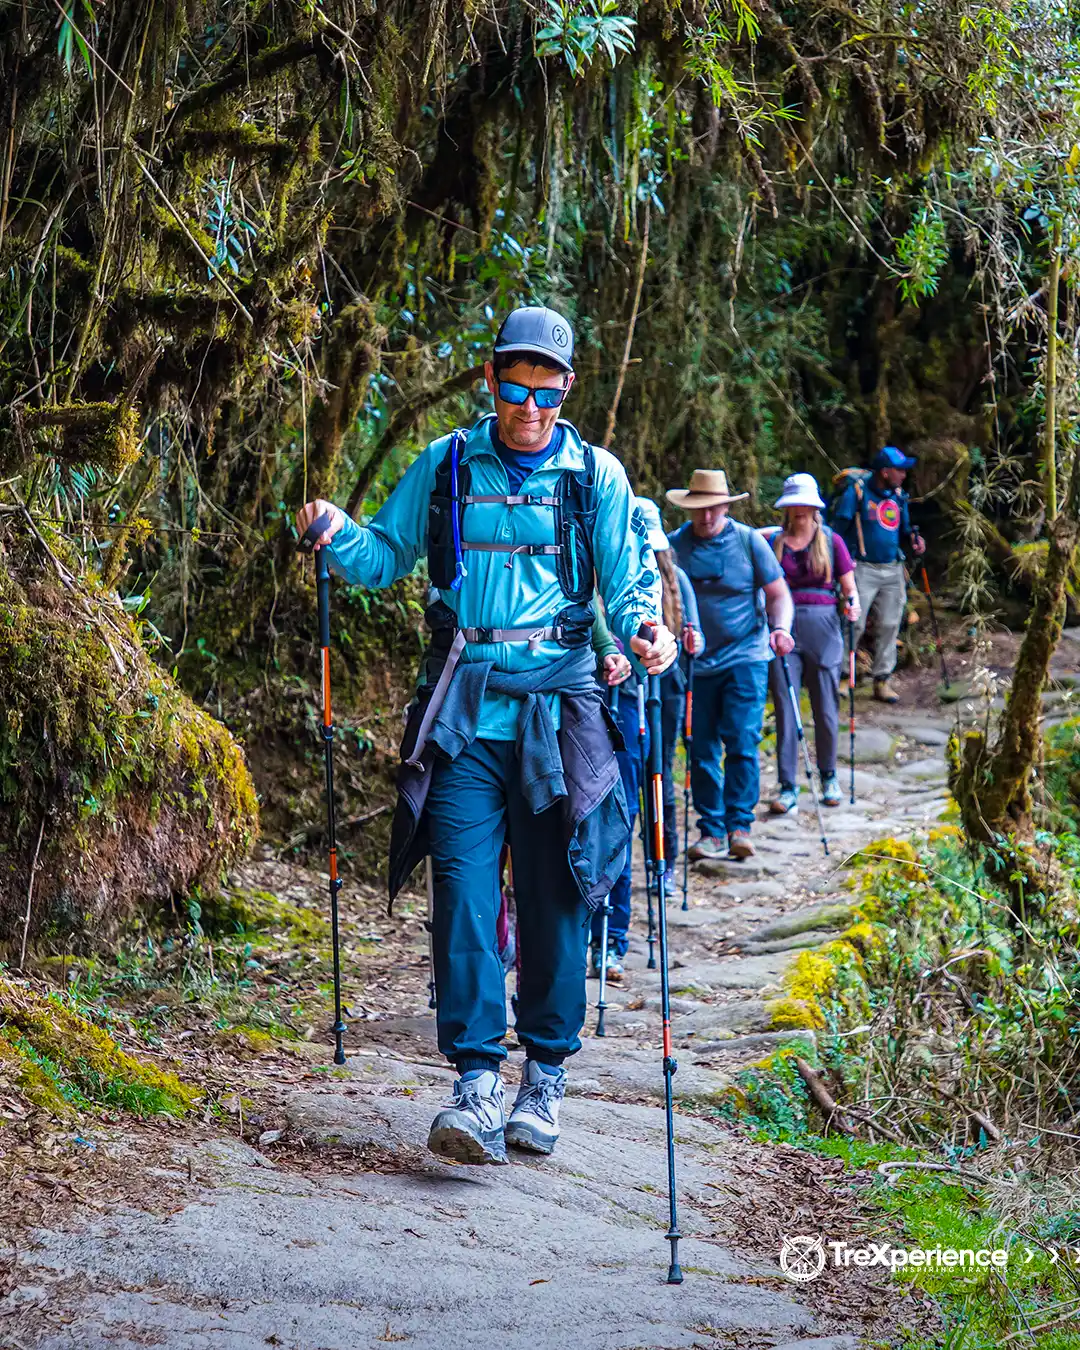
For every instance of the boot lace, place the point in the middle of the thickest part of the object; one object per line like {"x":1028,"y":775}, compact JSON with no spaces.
{"x":468,"y":1097}
{"x":538,"y":1097}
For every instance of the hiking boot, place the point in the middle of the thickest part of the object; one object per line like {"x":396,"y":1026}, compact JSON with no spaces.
{"x":785,"y":801}
{"x":739,"y":845}
{"x":614,"y":966}
{"x":884,"y":692}
{"x":708,"y":846}
{"x":830,"y":789}
{"x":470,"y":1129}
{"x":613,"y":963}
{"x":534,"y":1121}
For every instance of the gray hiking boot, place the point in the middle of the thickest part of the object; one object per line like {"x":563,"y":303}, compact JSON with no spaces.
{"x":740,"y":845}
{"x":708,"y":846}
{"x":830,"y":790}
{"x":785,"y":801}
{"x":534,"y":1121}
{"x":470,"y":1129}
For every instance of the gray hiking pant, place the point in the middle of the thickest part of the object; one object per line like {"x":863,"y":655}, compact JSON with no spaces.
{"x":815,"y":662}
{"x":881,"y":585}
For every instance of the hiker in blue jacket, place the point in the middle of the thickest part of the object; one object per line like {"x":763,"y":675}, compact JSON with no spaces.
{"x":747,"y":614}
{"x":508,"y":738}
{"x":871,"y":516}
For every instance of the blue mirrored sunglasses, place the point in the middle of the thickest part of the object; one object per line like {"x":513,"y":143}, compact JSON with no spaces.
{"x":518,"y":393}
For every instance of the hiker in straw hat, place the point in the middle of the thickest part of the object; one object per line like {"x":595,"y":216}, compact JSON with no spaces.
{"x":747,"y":614}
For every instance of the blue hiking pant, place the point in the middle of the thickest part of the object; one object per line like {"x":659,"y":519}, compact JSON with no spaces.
{"x":474,"y":803}
{"x":729,"y":706}
{"x":630,"y":769}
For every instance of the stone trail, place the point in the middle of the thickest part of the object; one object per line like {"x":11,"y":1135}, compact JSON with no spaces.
{"x":542,"y":1254}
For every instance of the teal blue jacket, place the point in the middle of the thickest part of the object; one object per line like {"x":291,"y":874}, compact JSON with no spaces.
{"x":510,"y":590}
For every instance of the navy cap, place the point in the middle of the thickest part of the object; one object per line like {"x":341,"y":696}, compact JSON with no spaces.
{"x":539,"y":331}
{"x":890,"y":458}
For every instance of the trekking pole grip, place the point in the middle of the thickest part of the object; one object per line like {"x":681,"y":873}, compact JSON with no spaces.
{"x":306,"y":544}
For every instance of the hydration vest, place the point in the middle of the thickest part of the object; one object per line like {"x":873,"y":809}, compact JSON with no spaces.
{"x":574,"y":507}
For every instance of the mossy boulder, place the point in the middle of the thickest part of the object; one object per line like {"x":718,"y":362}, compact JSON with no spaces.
{"x":61,"y":1063}
{"x":121,"y":790}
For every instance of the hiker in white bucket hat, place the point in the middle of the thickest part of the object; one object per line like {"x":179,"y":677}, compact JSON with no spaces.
{"x":819,"y":570}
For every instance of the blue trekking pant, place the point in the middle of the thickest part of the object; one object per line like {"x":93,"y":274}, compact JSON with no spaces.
{"x":729,"y":706}
{"x":630,"y":769}
{"x":474,"y":803}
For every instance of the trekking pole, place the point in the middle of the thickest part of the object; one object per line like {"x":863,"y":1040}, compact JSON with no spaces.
{"x":605,"y":912}
{"x":649,"y":855}
{"x":851,"y":699}
{"x":805,"y":749}
{"x":934,"y":626}
{"x":322,"y":590}
{"x":688,"y":749}
{"x":432,"y":1000}
{"x":656,"y":801}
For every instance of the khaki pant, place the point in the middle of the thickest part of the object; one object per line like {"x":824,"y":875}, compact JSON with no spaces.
{"x":881,"y":585}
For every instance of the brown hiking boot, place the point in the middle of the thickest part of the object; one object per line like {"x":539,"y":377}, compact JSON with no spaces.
{"x":708,"y":846}
{"x":739,"y":845}
{"x":884,"y":692}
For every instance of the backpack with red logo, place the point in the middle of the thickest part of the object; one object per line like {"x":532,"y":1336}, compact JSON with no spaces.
{"x":858,"y":479}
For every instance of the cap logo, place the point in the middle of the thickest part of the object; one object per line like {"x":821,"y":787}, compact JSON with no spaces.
{"x":559,"y":336}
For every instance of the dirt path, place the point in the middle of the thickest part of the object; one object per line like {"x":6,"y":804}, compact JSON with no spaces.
{"x":345,"y":1233}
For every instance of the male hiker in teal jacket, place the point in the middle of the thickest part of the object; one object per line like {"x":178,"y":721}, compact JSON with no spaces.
{"x":521,"y":522}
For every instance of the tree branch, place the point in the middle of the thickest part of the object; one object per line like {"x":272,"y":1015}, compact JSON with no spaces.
{"x":404,"y":420}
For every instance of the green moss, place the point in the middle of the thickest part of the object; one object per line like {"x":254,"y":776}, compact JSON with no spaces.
{"x":31,"y":1079}
{"x":61,"y":1055}
{"x":232,"y":911}
{"x":794,"y":1014}
{"x":106,"y":435}
{"x":97,"y":736}
{"x":255,"y":1039}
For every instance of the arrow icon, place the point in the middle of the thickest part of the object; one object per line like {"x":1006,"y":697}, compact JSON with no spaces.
{"x":1029,"y":1256}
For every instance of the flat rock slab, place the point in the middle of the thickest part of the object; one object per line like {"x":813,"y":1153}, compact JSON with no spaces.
{"x":873,"y":745}
{"x":540,"y":1255}
{"x":739,"y":1017}
{"x":830,"y":915}
{"x":814,"y":937}
{"x":927,"y":735}
{"x":743,"y":972}
{"x":731,"y":869}
{"x":923,"y":769}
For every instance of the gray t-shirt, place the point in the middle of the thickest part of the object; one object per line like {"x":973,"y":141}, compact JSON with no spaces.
{"x":727,"y":574}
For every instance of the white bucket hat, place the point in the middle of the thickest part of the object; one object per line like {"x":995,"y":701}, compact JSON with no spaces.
{"x":800,"y":489}
{"x":658,"y":540}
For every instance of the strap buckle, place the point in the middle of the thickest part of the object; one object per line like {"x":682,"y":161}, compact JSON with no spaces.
{"x":483,"y":635}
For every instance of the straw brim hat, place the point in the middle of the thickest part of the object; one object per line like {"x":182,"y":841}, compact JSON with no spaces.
{"x":708,"y":487}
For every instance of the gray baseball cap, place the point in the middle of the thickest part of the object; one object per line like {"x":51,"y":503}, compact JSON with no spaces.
{"x":540,"y":331}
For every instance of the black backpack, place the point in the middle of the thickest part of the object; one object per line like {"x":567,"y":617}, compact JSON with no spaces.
{"x":575,"y":507}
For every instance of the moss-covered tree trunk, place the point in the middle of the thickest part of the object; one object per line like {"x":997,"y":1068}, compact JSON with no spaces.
{"x":993,"y":786}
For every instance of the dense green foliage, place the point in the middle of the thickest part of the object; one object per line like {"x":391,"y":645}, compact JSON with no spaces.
{"x":251,"y":253}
